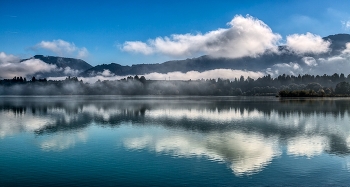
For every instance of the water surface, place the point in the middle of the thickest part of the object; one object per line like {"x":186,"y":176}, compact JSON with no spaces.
{"x":174,"y":141}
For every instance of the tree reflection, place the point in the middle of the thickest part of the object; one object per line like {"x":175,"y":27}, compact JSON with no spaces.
{"x":308,"y":127}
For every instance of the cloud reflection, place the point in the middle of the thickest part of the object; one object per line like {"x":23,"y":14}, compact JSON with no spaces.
{"x":246,"y":153}
{"x":307,"y":146}
{"x":62,"y":141}
{"x":246,"y":134}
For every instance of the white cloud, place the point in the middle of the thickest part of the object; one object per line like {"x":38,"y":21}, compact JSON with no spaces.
{"x":211,"y":74}
{"x":137,"y":46}
{"x":246,"y":36}
{"x":346,"y":24}
{"x":193,"y":75}
{"x":335,"y":59}
{"x":11,"y":66}
{"x":70,"y":71}
{"x":334,"y":64}
{"x":28,"y":67}
{"x":61,"y":47}
{"x":346,"y":51}
{"x":315,"y":66}
{"x":310,"y":65}
{"x":82,"y":52}
{"x":319,"y":66}
{"x":4,"y":58}
{"x":285,"y":68}
{"x":107,"y":73}
{"x":307,"y":43}
{"x":310,"y":61}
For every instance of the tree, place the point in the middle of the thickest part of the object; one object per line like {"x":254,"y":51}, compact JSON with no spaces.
{"x":241,"y":79}
{"x":238,"y":91}
{"x":342,"y":77}
{"x":313,"y":86}
{"x":143,"y":79}
{"x":342,"y":88}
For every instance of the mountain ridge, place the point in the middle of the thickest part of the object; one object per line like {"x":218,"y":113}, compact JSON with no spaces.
{"x":200,"y":64}
{"x":63,"y":64}
{"x":205,"y":63}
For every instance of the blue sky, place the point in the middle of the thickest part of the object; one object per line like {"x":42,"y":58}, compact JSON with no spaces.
{"x":97,"y":30}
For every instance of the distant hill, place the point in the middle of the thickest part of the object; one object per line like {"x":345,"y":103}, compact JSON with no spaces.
{"x":338,"y":42}
{"x":205,"y":63}
{"x":200,"y":64}
{"x":77,"y":65}
{"x":62,"y":62}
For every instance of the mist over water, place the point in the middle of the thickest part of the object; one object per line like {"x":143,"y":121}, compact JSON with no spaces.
{"x":207,"y":141}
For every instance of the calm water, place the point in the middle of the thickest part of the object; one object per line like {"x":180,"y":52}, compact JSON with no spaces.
{"x":167,"y":141}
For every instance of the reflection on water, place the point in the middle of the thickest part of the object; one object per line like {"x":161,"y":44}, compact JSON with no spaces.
{"x":246,"y":153}
{"x":247,"y":134}
{"x":61,"y":141}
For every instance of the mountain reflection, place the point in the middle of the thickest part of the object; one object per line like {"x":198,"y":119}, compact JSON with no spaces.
{"x":245,"y":133}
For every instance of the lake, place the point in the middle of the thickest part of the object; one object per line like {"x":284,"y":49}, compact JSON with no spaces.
{"x":174,"y":141}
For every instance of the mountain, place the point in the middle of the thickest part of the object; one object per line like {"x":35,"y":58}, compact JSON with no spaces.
{"x":200,"y":64}
{"x":205,"y":63}
{"x":338,"y":42}
{"x":77,"y":67}
{"x":65,"y":66}
{"x":62,"y":62}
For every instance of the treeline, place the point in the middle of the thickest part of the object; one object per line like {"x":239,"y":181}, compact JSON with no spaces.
{"x":285,"y":85}
{"x":20,"y":80}
{"x":342,"y":89}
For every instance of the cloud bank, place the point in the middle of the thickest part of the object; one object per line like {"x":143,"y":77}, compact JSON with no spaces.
{"x":246,"y":36}
{"x":61,"y":47}
{"x":307,"y":43}
{"x":310,"y":61}
{"x":214,"y":74}
{"x":4,"y":58}
{"x":138,"y":47}
{"x":315,"y":65}
{"x":191,"y":75}
{"x":11,"y":66}
{"x":346,"y":51}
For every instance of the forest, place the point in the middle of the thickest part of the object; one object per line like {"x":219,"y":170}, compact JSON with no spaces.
{"x":282,"y":85}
